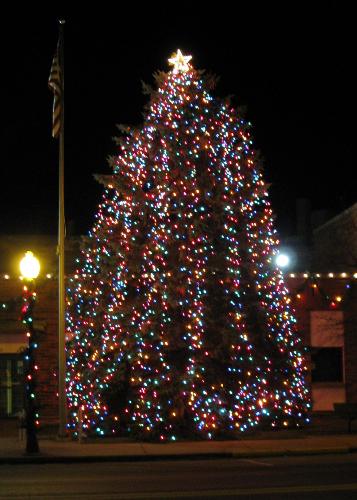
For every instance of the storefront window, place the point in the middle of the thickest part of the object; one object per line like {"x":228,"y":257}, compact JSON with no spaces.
{"x":11,"y":384}
{"x":327,"y":364}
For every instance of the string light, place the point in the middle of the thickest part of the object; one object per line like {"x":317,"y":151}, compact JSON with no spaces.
{"x":177,"y":296}
{"x":291,"y":275}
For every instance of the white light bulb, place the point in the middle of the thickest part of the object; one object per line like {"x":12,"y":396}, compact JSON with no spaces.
{"x":282,"y":260}
{"x":29,"y":266}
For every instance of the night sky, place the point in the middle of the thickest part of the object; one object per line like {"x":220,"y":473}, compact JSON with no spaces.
{"x":291,"y":70}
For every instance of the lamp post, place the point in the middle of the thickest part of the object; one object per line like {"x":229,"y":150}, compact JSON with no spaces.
{"x":30,"y":268}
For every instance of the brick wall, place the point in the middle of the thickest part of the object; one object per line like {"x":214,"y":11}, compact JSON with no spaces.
{"x":316,"y":295}
{"x":13,"y":337}
{"x":351,"y":345}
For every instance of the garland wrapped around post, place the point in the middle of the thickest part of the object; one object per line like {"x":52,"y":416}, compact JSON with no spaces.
{"x":30,"y":368}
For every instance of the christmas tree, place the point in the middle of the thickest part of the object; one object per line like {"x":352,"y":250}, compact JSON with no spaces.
{"x":179,"y":319}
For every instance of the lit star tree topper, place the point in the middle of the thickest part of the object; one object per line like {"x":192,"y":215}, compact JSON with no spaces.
{"x":179,"y":62}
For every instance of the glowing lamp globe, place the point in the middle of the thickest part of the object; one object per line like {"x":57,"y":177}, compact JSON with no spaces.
{"x":29,"y":266}
{"x":282,"y":260}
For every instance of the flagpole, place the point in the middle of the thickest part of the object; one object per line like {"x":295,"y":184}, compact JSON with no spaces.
{"x":62,"y":430}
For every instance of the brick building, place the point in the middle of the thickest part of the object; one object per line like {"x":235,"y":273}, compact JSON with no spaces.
{"x":13,"y":340}
{"x":335,"y":243}
{"x":326,"y":311}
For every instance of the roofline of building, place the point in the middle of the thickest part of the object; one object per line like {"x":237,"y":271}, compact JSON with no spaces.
{"x":336,"y":218}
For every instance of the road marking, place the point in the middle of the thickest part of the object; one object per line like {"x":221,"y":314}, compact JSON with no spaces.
{"x":257,"y":462}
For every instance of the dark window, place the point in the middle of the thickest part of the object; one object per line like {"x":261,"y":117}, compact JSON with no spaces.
{"x":11,"y":384}
{"x":327,"y":365}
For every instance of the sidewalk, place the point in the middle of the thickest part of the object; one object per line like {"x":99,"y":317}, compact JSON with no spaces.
{"x":54,"y":451}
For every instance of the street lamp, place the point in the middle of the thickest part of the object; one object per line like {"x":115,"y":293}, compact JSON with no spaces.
{"x":30,"y":268}
{"x":282,"y":260}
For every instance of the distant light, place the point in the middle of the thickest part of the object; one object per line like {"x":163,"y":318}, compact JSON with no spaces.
{"x":282,"y":260}
{"x":29,"y":266}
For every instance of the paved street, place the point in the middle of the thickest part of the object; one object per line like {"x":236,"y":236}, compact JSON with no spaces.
{"x":315,"y":477}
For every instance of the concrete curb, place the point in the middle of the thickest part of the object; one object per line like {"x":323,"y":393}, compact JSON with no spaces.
{"x":50,"y":459}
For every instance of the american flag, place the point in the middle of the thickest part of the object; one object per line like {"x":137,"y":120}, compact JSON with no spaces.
{"x":55,"y":84}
